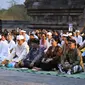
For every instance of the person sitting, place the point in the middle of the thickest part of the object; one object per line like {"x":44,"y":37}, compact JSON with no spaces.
{"x":4,"y":47}
{"x":52,"y":57}
{"x":43,"y":43}
{"x":31,"y":40}
{"x":48,"y":40}
{"x":34,"y":56}
{"x":19,"y":52}
{"x":11,"y":42}
{"x":65,"y":46}
{"x":22,"y":32}
{"x":73,"y":62}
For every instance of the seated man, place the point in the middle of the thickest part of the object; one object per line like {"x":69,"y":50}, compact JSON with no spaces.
{"x":34,"y":55}
{"x":73,"y":62}
{"x":30,"y":41}
{"x":19,"y":52}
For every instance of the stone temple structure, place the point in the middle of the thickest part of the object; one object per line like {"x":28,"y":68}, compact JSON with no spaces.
{"x":56,"y":14}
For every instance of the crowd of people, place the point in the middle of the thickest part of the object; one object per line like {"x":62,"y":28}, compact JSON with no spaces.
{"x":43,"y":50}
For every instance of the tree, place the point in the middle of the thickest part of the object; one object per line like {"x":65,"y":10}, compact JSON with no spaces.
{"x":12,"y":2}
{"x":16,"y":12}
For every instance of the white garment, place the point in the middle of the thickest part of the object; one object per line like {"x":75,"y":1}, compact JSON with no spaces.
{"x":43,"y":45}
{"x":4,"y":50}
{"x":82,"y":43}
{"x":27,"y":37}
{"x":20,"y":51}
{"x":78,"y":39}
{"x":48,"y":44}
{"x":11,"y":45}
{"x":74,"y":37}
{"x":5,"y":41}
{"x":35,"y":36}
{"x":62,"y":43}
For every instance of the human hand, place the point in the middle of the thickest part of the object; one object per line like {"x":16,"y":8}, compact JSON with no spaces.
{"x":32,"y":64}
{"x":48,"y":60}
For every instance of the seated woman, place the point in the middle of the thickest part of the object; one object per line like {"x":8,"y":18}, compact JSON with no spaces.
{"x":19,"y":52}
{"x":73,"y":62}
{"x":52,"y":57}
{"x":43,"y":43}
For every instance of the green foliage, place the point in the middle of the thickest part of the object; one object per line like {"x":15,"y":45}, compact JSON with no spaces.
{"x":16,"y":12}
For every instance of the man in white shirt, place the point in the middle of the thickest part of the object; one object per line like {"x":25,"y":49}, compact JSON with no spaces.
{"x":19,"y":52}
{"x":48,"y":40}
{"x":22,"y":32}
{"x":78,"y":38}
{"x":4,"y":38}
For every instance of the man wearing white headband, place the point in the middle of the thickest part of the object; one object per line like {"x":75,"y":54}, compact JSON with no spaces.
{"x":22,"y":32}
{"x":48,"y":40}
{"x":19,"y":52}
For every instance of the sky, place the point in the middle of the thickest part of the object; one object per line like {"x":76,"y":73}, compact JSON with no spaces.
{"x":5,"y":3}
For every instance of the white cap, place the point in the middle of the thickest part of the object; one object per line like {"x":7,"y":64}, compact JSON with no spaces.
{"x":82,"y":34}
{"x":23,"y":31}
{"x":49,"y":33}
{"x":20,"y":37}
{"x":77,"y":31}
{"x":65,"y":35}
{"x":69,"y":34}
{"x":0,"y":37}
{"x":33,"y":33}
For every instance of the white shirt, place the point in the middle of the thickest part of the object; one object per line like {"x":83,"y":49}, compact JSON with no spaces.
{"x":11,"y":45}
{"x":35,"y":36}
{"x":20,"y":51}
{"x":43,"y":45}
{"x":82,"y":43}
{"x":4,"y":50}
{"x":27,"y":37}
{"x":48,"y":44}
{"x":78,"y":39}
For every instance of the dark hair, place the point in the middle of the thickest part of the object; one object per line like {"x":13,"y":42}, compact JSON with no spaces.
{"x":68,"y":38}
{"x":31,"y":34}
{"x":3,"y":34}
{"x":36,"y":41}
{"x":73,"y":41}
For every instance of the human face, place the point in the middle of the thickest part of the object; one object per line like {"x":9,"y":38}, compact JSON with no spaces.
{"x":31,"y":37}
{"x":56,"y":33}
{"x":20,"y":42}
{"x":77,"y":33}
{"x":9,"y":37}
{"x":54,"y":43}
{"x":23,"y":33}
{"x":43,"y":36}
{"x":72,"y":45}
{"x":65,"y":40}
{"x":49,"y":36}
{"x":3,"y":38}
